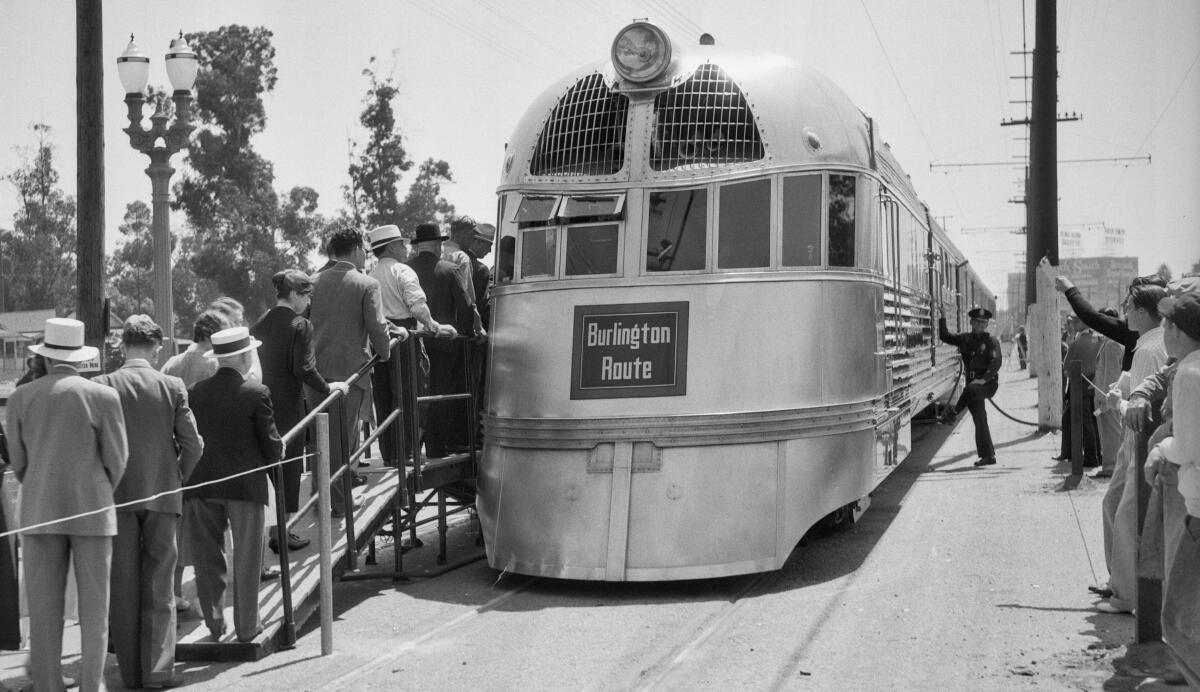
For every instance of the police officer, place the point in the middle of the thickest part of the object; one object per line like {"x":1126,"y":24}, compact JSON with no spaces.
{"x":981,"y":357}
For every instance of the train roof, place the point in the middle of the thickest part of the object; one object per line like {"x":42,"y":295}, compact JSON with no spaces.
{"x":801,"y":117}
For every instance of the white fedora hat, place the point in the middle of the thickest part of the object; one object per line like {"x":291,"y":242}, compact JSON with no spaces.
{"x":232,"y":341}
{"x":384,"y":235}
{"x":64,"y":341}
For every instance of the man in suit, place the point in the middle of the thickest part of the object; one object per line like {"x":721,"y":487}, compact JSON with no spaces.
{"x":162,"y":454}
{"x":66,"y":439}
{"x":1083,"y":347}
{"x":449,"y":304}
{"x":346,"y":314}
{"x":236,"y":421}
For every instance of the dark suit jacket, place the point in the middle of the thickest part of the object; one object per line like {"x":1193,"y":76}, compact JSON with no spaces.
{"x":446,"y":297}
{"x":238,"y":426}
{"x":288,"y":363}
{"x":164,"y":445}
{"x":346,"y":313}
{"x":481,"y":276}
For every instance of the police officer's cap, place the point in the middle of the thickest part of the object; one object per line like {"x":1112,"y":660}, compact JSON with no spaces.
{"x":980,"y":314}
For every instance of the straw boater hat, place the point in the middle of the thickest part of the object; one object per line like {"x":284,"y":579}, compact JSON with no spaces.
{"x":384,"y":235}
{"x":64,"y":341}
{"x":231,"y":342}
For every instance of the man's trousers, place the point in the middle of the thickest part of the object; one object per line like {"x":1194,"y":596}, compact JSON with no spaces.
{"x":46,"y":556}
{"x":142,"y":613}
{"x":207,"y":519}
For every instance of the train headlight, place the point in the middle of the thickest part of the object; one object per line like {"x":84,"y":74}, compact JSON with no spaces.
{"x":641,"y":52}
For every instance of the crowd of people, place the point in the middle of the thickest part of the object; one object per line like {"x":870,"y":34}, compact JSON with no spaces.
{"x":1141,"y":372}
{"x":134,"y":474}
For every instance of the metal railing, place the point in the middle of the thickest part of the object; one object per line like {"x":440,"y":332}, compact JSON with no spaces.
{"x":403,"y":423}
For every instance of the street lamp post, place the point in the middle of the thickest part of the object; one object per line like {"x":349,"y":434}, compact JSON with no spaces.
{"x":160,"y":142}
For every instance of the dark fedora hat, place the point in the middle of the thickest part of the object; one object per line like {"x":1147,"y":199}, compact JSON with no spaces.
{"x":428,"y":231}
{"x":980,"y":314}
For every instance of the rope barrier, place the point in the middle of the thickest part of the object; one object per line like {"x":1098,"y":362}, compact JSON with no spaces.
{"x":165,"y":493}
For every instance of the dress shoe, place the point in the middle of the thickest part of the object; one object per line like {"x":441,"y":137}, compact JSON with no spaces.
{"x":251,"y":637}
{"x":1061,"y":457}
{"x":1102,"y":474}
{"x":219,"y":630}
{"x":294,"y":543}
{"x":986,"y":461}
{"x":340,"y":514}
{"x":174,"y":681}
{"x":1101,"y":591}
{"x":1108,"y":607}
{"x":363,"y":463}
{"x":358,"y":479}
{"x":1173,"y":677}
{"x":269,"y":573}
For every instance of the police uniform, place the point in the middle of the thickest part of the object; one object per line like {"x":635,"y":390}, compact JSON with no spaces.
{"x":981,"y":357}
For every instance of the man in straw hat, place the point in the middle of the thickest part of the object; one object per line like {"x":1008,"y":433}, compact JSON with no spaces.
{"x":162,"y":454}
{"x":68,"y":449}
{"x":236,"y":420}
{"x":405,"y":305}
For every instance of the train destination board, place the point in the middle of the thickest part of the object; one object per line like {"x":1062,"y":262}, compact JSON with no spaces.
{"x":635,"y":350}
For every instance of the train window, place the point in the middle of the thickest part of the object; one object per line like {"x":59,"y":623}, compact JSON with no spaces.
{"x":536,"y":210}
{"x":744,"y":225}
{"x":591,"y":250}
{"x":841,"y":220}
{"x":591,"y":207}
{"x":677,"y":230}
{"x":539,"y":249}
{"x":802,"y":221}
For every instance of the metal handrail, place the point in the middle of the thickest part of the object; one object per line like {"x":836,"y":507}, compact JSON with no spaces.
{"x":288,"y":634}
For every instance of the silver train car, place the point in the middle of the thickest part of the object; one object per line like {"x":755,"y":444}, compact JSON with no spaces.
{"x":712,"y":317}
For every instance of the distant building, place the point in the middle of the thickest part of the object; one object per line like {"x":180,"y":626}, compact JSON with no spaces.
{"x":1102,"y":280}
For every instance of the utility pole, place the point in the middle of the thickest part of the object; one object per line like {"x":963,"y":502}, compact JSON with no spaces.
{"x":89,"y":142}
{"x":1041,"y":210}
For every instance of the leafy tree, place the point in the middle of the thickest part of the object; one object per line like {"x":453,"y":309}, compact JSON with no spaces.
{"x":228,"y":195}
{"x":1165,"y":272}
{"x":373,"y":194}
{"x":38,"y":259}
{"x":129,"y":268}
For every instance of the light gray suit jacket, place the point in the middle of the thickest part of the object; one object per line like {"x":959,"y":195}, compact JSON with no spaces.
{"x":165,"y":445}
{"x":346,"y":313}
{"x":66,"y":440}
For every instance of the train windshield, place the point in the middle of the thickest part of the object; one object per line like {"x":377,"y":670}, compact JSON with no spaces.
{"x":677,"y":230}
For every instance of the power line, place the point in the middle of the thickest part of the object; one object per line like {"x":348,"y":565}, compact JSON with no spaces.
{"x":1021,"y":164}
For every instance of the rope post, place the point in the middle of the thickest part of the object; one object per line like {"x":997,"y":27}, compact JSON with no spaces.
{"x":1149,"y":591}
{"x":1075,"y":401}
{"x":287,"y":631}
{"x":324,"y":533}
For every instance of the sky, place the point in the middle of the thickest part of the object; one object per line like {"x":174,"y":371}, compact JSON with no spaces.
{"x":937,"y":76}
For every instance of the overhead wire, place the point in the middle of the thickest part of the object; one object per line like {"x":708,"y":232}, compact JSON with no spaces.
{"x":488,"y":40}
{"x":1157,"y":121}
{"x":916,"y":121}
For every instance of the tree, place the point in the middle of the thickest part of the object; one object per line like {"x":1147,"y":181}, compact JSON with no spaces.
{"x":129,"y":287}
{"x":1164,"y":272}
{"x":38,"y":258}
{"x":228,"y":195}
{"x":373,"y":194}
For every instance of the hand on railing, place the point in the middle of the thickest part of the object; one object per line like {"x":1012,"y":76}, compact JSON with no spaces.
{"x":339,"y":387}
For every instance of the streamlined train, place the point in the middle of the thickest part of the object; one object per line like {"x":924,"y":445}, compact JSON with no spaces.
{"x":713,"y":319}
